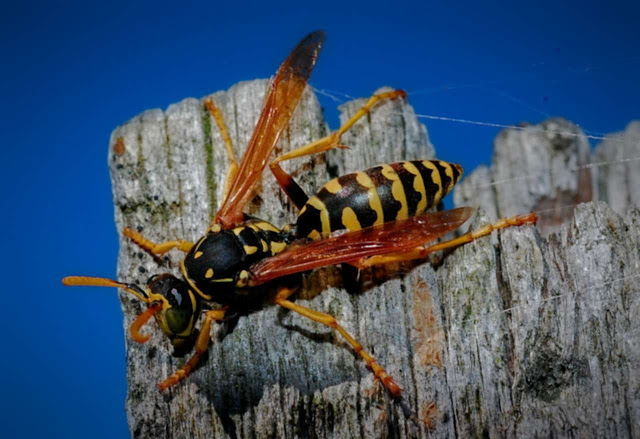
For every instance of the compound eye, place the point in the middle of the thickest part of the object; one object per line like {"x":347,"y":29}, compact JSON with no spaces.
{"x":180,"y":317}
{"x":177,"y":296}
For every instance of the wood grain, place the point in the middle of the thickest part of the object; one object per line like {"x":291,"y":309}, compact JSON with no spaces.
{"x":533,"y":337}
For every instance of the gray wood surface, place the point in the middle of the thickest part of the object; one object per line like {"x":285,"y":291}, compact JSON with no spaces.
{"x":534,"y":337}
{"x":550,"y":168}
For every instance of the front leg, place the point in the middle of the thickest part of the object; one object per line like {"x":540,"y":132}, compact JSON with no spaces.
{"x":156,"y":249}
{"x":201,"y":347}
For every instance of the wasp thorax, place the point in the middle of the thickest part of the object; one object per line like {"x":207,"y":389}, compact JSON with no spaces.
{"x":217,"y":266}
{"x":179,"y":305}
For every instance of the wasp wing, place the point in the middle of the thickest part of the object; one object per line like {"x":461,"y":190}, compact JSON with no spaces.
{"x":282,"y":98}
{"x":392,"y":237}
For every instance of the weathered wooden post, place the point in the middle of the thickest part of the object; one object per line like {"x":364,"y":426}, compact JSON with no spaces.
{"x":533,"y":337}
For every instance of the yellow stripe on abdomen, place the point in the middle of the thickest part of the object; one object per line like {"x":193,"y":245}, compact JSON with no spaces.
{"x":324,"y":214}
{"x":350,"y":219}
{"x":397,"y":190}
{"x":449,"y":172}
{"x":374,"y":200}
{"x":435,"y":178}
{"x":418,"y":186}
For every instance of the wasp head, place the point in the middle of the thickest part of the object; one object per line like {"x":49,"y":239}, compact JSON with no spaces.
{"x":178,"y":306}
{"x":168,"y":298}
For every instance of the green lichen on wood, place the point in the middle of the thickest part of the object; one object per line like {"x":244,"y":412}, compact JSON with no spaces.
{"x":140,"y":166}
{"x":208,"y":149}
{"x":468,"y":312}
{"x":168,"y":142}
{"x":159,"y":212}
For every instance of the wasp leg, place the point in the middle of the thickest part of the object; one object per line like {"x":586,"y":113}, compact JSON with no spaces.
{"x":330,"y":321}
{"x":287,"y":183}
{"x":201,"y":347}
{"x":422,"y":251}
{"x":233,"y":165}
{"x":156,"y":249}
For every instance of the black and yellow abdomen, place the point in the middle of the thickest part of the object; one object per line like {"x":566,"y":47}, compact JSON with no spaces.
{"x":380,"y":194}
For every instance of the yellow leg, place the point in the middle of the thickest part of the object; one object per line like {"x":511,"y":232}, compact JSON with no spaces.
{"x":156,"y":249}
{"x":330,"y":321}
{"x":422,"y":251}
{"x":233,"y":165}
{"x":201,"y":347}
{"x":331,"y":141}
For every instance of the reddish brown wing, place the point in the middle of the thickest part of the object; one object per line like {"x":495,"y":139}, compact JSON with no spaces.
{"x":386,"y":238}
{"x":284,"y":95}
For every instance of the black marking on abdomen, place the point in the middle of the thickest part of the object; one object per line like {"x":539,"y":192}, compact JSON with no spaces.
{"x":456,"y":172}
{"x":352,"y":195}
{"x":432,"y":189}
{"x":412,"y":196}
{"x":447,"y":182}
{"x":390,"y":206}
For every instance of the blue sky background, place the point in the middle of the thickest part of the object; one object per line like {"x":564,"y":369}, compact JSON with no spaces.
{"x":72,"y":72}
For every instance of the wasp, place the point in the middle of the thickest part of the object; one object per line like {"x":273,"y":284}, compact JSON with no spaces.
{"x":376,"y":216}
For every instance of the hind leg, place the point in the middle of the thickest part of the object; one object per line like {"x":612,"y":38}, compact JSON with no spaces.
{"x":330,"y":321}
{"x":422,"y":251}
{"x":287,"y":183}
